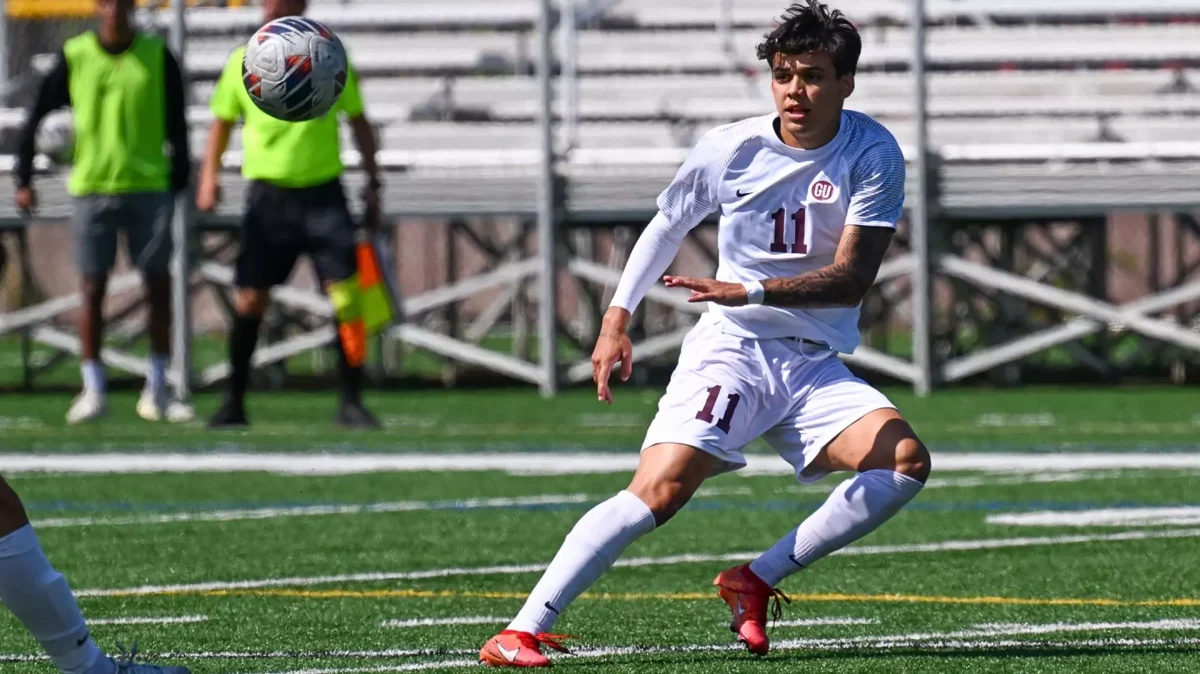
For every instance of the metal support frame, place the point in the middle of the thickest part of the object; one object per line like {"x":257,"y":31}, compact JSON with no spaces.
{"x":181,"y":306}
{"x":549,"y":206}
{"x":919,"y":216}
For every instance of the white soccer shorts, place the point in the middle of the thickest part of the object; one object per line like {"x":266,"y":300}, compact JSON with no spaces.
{"x":727,"y":391}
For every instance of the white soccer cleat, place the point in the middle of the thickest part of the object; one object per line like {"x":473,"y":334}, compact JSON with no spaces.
{"x":88,"y":406}
{"x":156,"y":406}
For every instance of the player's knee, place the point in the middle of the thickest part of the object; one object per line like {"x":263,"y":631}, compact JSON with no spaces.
{"x":664,"y":498}
{"x":11,"y":510}
{"x":251,"y":301}
{"x":92,"y":288}
{"x":912,"y":459}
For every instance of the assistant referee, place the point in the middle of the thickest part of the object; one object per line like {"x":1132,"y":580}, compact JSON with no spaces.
{"x":295,"y":205}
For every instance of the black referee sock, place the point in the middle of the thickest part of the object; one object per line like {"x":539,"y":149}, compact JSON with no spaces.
{"x":351,"y":379}
{"x":242,"y":340}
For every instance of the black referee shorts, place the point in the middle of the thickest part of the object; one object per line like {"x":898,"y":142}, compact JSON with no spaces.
{"x":282,"y":223}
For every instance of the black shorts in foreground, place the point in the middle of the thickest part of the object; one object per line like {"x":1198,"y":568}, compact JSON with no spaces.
{"x":282,"y":223}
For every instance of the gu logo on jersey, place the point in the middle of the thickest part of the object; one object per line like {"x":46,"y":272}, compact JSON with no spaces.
{"x":823,"y":191}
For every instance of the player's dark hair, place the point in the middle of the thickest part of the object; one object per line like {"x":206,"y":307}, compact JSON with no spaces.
{"x":811,"y":26}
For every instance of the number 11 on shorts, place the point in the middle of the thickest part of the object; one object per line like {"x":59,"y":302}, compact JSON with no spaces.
{"x":706,"y":414}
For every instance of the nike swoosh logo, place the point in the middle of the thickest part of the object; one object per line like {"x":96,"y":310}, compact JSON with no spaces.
{"x":84,"y":640}
{"x":511,"y":656}
{"x":739,"y":608}
{"x":746,"y":194}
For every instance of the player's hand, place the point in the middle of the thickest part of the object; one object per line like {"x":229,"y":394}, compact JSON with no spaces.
{"x":208,"y":195}
{"x":710,"y":290}
{"x":612,"y":346}
{"x":26,"y":199}
{"x":372,"y":209}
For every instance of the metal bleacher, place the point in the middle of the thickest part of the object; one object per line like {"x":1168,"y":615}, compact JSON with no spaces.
{"x":1039,"y":110}
{"x":444,"y":79}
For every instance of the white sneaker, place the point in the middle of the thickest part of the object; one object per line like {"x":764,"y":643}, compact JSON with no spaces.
{"x":156,"y":406}
{"x":88,"y":406}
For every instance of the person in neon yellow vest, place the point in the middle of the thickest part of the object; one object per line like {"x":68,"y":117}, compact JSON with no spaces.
{"x":125,"y":91}
{"x":295,"y":205}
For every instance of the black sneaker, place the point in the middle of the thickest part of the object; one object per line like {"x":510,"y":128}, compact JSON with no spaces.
{"x":354,"y":415}
{"x":231,"y":415}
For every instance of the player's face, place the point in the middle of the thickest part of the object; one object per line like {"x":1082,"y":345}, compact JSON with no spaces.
{"x":808,"y":97}
{"x":277,"y":9}
{"x":113,"y":12}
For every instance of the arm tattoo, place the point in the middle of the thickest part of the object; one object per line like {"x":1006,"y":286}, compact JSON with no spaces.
{"x":841,"y":284}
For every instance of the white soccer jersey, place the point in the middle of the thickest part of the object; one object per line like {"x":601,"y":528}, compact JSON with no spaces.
{"x":782,"y":212}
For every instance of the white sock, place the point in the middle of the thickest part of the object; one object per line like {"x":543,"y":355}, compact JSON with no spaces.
{"x":93,"y":376}
{"x":158,"y":372}
{"x":856,"y":508}
{"x":598,"y":538}
{"x":40,"y":598}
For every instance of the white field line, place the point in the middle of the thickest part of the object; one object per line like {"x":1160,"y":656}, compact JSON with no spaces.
{"x":857,"y":643}
{"x":957,"y":639}
{"x":994,"y":480}
{"x":818,"y":622}
{"x":240,"y":514}
{"x":1106,"y":517}
{"x":149,"y":620}
{"x":410,"y":667}
{"x":232,"y":515}
{"x":1014,"y":629}
{"x":431,"y":622}
{"x":944,"y":546}
{"x":277,"y":655}
{"x":537,"y":463}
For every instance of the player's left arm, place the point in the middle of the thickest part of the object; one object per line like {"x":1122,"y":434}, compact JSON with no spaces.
{"x":368,"y":148}
{"x":876,"y":204}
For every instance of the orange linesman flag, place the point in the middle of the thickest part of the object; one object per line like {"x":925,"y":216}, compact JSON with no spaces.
{"x":364,"y":303}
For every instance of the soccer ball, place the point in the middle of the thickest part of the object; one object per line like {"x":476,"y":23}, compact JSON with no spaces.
{"x":295,"y":69}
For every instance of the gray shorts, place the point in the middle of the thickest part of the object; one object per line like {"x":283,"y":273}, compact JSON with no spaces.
{"x":145,"y":219}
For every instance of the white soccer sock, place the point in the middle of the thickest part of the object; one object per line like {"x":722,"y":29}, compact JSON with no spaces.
{"x":157,"y":378}
{"x":93,"y":376}
{"x":40,"y":598}
{"x":598,"y":538}
{"x":856,"y":508}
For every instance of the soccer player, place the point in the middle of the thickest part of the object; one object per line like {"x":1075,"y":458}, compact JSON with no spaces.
{"x":41,"y":599}
{"x":295,"y":204}
{"x":808,"y":199}
{"x":125,"y":90}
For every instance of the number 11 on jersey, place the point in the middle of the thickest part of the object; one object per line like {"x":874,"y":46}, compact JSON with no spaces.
{"x":780,"y":245}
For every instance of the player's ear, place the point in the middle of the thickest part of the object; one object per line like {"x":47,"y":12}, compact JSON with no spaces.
{"x":847,"y":83}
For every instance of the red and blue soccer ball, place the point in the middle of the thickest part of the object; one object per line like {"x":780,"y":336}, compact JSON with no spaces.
{"x":295,"y":69}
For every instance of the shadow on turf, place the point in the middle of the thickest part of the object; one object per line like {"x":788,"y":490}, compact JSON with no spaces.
{"x":775,"y":660}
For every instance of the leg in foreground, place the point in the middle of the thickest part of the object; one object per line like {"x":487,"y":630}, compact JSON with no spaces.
{"x":666,"y":478}
{"x":891,"y":465}
{"x":41,"y":599}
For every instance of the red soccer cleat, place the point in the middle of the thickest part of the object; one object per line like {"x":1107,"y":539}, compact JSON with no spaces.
{"x":520,"y":649}
{"x":748,"y":597}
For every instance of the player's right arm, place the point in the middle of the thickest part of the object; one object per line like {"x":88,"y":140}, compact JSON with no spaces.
{"x":54,"y":93}
{"x":691,"y":197}
{"x":226,"y":106}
